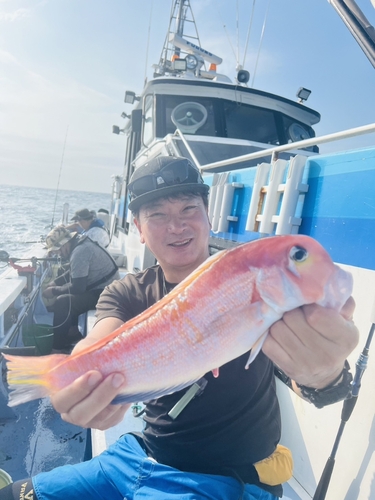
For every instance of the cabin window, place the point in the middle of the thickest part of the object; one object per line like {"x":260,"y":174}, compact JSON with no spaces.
{"x":217,"y":117}
{"x":148,"y":127}
{"x":250,"y":123}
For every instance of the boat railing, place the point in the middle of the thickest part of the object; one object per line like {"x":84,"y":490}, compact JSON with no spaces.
{"x":354,"y":132}
{"x":25,"y":304}
{"x":187,"y":146}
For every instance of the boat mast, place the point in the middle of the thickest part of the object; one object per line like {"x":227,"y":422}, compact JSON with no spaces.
{"x":358,"y":25}
{"x":181,"y":16}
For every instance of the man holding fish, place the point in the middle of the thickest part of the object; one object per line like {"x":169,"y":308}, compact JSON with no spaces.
{"x":224,"y":443}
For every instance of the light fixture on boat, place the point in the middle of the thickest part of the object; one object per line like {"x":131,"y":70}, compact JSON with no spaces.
{"x":124,"y":115}
{"x":130,"y":97}
{"x":191,"y":62}
{"x":179,"y":64}
{"x":117,"y":130}
{"x":303,"y":94}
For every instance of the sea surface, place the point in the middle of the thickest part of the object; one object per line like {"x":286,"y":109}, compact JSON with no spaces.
{"x":28,"y":214}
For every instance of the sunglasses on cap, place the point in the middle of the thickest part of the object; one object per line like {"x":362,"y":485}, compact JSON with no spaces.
{"x":176,"y":172}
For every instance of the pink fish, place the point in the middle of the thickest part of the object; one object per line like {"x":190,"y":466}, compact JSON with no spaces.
{"x":219,"y":312}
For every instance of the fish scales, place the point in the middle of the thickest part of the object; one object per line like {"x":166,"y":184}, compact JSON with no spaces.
{"x":219,"y":312}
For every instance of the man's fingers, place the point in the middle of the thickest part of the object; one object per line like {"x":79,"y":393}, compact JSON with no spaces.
{"x":348,"y":309}
{"x":110,"y":416}
{"x":88,"y":397}
{"x":68,"y":397}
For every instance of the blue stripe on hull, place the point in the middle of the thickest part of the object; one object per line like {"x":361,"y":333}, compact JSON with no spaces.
{"x":339,"y":207}
{"x":347,"y":240}
{"x":342,"y":195}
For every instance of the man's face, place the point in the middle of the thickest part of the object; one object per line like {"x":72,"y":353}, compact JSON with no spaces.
{"x":65,"y":250}
{"x":177,"y":232}
{"x":85,"y":224}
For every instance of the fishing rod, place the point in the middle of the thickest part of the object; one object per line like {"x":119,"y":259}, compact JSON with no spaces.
{"x":58,"y":180}
{"x":346,"y":412}
{"x":4,"y":257}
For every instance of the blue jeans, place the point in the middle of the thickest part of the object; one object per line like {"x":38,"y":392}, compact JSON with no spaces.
{"x":125,"y":472}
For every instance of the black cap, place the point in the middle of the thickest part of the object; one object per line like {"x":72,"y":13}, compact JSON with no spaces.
{"x":83,"y":214}
{"x":164,"y":176}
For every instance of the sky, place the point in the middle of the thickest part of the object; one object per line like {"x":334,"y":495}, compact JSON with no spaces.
{"x":65,"y":66}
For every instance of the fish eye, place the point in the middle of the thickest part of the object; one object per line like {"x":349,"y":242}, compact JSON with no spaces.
{"x":298,"y":254}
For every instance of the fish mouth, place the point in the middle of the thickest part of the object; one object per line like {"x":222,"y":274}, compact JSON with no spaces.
{"x":181,"y":243}
{"x":338,"y":289}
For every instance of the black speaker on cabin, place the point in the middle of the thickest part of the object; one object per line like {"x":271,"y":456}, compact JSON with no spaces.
{"x":243,"y":76}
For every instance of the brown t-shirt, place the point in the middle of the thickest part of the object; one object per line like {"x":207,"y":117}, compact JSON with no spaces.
{"x":234,"y":423}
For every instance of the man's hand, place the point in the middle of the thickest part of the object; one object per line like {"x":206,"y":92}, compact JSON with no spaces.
{"x":48,"y":292}
{"x":311,"y":343}
{"x":87,"y":401}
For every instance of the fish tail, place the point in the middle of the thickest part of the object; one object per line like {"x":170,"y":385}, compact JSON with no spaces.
{"x":28,"y":377}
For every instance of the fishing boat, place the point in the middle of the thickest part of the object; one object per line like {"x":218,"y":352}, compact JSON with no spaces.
{"x":260,"y":155}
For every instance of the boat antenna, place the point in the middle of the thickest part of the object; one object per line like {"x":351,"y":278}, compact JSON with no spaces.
{"x":346,"y":412}
{"x":260,"y":43}
{"x":248,"y":32}
{"x":148,"y":42}
{"x":226,"y":32}
{"x":238,"y":35}
{"x":58,"y":180}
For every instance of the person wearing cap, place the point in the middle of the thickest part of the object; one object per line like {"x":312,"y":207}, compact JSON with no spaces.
{"x":86,"y":223}
{"x":223,"y":444}
{"x":76,"y":291}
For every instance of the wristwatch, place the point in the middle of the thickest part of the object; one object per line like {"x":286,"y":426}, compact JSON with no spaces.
{"x":334,"y":392}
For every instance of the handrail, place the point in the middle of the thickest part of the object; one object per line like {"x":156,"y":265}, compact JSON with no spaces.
{"x":365,"y":129}
{"x":11,"y":334}
{"x":190,"y":151}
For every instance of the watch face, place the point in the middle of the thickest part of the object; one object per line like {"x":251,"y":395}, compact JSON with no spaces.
{"x":298,"y":133}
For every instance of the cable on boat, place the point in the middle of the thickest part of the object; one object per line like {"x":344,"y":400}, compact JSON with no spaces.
{"x":238,"y":35}
{"x":346,"y":412}
{"x":58,"y":180}
{"x":228,"y":37}
{"x":260,"y":43}
{"x":248,"y":33}
{"x":148,"y":42}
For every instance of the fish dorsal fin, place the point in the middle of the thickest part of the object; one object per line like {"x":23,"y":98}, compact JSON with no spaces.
{"x":201,"y":270}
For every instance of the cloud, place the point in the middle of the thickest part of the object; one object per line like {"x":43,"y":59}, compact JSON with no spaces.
{"x":6,"y":57}
{"x":37,"y":110}
{"x":24,"y":89}
{"x":15,"y":15}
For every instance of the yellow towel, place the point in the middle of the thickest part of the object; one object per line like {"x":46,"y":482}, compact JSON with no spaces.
{"x":277,"y":468}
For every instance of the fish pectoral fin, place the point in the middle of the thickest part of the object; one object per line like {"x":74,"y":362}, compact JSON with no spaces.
{"x":150,"y":394}
{"x":277,"y":290}
{"x":256,"y":348}
{"x":215,"y":372}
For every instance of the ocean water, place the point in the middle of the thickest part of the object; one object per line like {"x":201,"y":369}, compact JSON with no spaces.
{"x":27,"y":214}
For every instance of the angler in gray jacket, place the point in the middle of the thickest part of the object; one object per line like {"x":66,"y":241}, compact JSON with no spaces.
{"x":91,"y":268}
